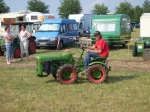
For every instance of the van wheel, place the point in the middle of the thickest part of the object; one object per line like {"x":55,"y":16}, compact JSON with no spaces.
{"x":60,"y":46}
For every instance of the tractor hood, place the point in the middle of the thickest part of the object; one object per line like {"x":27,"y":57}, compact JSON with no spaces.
{"x":46,"y":35}
{"x":64,"y":56}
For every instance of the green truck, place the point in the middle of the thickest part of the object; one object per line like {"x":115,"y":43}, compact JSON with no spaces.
{"x":115,"y":28}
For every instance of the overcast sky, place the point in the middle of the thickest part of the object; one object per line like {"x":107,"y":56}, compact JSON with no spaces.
{"x":87,"y":5}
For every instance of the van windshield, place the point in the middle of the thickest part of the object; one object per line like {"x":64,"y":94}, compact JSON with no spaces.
{"x":49,"y":27}
{"x":106,"y":26}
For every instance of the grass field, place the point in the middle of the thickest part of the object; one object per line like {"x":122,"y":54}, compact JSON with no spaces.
{"x":127,"y":89}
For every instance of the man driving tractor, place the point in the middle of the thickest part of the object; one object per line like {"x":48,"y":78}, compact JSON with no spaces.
{"x":100,"y":49}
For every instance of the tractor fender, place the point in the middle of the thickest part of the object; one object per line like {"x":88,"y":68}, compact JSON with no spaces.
{"x":32,"y":37}
{"x":93,"y":63}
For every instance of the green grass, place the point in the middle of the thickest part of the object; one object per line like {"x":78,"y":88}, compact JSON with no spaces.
{"x":127,"y":89}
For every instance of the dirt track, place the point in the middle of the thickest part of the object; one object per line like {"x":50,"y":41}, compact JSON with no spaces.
{"x":116,"y":64}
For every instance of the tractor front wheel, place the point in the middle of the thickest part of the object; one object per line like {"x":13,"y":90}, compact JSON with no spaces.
{"x":96,"y":73}
{"x":16,"y":52}
{"x":66,"y":74}
{"x":32,"y":46}
{"x":134,"y":51}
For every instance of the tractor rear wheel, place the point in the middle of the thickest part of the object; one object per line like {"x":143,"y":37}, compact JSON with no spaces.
{"x":96,"y":73}
{"x":66,"y":74}
{"x":16,"y":52}
{"x":134,"y":51}
{"x":32,"y":46}
{"x":1,"y":52}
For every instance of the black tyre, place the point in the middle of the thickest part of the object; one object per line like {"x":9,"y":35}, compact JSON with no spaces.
{"x":1,"y":52}
{"x":66,"y":74}
{"x":32,"y":46}
{"x":16,"y":52}
{"x":54,"y":75}
{"x":134,"y":51}
{"x":96,"y":73}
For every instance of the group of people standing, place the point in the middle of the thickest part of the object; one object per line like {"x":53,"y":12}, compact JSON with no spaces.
{"x":24,"y":35}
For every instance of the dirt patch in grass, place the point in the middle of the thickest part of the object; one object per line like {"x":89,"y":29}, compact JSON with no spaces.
{"x":124,"y":64}
{"x":115,"y":64}
{"x":17,"y":63}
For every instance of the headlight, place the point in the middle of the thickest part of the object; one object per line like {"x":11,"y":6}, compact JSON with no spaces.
{"x":53,"y":39}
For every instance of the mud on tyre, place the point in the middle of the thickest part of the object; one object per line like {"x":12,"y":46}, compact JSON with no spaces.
{"x":96,"y":73}
{"x":66,"y":74}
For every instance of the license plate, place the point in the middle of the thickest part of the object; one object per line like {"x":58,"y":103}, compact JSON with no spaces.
{"x":139,"y":46}
{"x":42,"y":43}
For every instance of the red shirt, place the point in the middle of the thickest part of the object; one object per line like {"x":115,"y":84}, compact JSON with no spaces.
{"x":103,"y":46}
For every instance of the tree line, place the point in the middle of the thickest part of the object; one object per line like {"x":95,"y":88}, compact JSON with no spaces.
{"x":74,"y":7}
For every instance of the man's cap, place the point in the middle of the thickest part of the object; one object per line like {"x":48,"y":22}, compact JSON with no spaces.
{"x":96,"y":33}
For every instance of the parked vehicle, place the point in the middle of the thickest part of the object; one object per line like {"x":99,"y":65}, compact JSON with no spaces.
{"x":16,"y":41}
{"x":115,"y":28}
{"x":50,"y":30}
{"x":84,"y":21}
{"x":88,"y":31}
{"x":137,"y":25}
{"x":142,"y":46}
{"x":23,"y":15}
{"x":64,"y":68}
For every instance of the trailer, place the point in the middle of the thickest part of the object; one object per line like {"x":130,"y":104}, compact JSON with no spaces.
{"x":115,"y":28}
{"x":83,"y":20}
{"x":142,"y":46}
{"x":23,"y":15}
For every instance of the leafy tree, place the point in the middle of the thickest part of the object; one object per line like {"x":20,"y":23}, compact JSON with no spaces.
{"x":3,"y":7}
{"x":125,"y":8}
{"x":146,"y":6}
{"x":100,"y":9}
{"x":38,"y":6}
{"x":69,"y":7}
{"x":137,"y":13}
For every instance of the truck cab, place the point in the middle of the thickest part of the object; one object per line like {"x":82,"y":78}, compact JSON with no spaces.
{"x":54,"y":30}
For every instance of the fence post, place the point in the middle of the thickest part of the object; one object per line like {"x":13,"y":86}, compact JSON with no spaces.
{"x":128,"y":51}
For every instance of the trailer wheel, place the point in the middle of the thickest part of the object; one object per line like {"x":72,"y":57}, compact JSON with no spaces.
{"x":96,"y":73}
{"x":16,"y":52}
{"x":66,"y":74}
{"x":134,"y":51}
{"x":32,"y":46}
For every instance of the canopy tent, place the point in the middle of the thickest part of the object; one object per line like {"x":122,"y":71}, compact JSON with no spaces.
{"x":11,"y":15}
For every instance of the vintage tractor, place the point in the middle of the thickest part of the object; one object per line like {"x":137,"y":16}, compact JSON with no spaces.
{"x":142,"y":46}
{"x":65,"y":68}
{"x":16,"y":42}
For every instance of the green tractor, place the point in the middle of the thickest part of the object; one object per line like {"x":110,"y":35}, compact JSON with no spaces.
{"x":142,"y":46}
{"x":16,"y":42}
{"x":64,"y":68}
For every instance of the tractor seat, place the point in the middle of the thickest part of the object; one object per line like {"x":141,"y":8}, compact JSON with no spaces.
{"x":99,"y":59}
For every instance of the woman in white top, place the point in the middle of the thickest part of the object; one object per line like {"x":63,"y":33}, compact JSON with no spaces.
{"x":24,"y":35}
{"x":8,"y":44}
